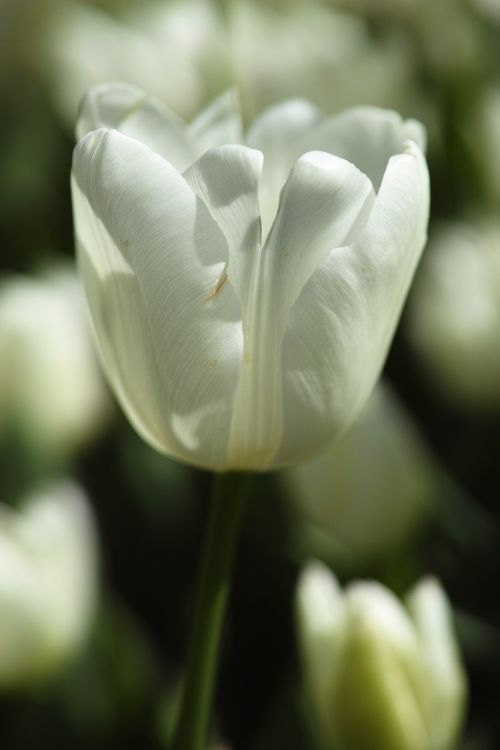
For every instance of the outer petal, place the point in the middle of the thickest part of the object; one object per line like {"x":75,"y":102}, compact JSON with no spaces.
{"x":325,"y":200}
{"x":342,"y":324}
{"x":151,"y":256}
{"x":445,"y":681}
{"x":279,"y":134}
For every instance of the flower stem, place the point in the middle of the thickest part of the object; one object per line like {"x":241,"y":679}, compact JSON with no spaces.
{"x":228,"y":501}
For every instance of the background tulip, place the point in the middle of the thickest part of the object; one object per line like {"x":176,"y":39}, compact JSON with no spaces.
{"x":52,"y":394}
{"x":47,"y":582}
{"x":243,"y":328}
{"x":380,"y":675}
{"x":366,"y":520}
{"x":187,"y":50}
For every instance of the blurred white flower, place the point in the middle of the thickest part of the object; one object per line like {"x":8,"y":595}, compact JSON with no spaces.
{"x":454,"y":312}
{"x":175,"y":50}
{"x":240,"y":326}
{"x":187,"y":50}
{"x":449,"y":36}
{"x":446,"y":33}
{"x":371,"y":487}
{"x":48,"y":582}
{"x":50,"y":384}
{"x":490,"y":9}
{"x":380,"y":675}
{"x":307,"y":49}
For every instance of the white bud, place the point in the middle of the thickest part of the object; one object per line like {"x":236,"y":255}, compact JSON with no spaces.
{"x":380,"y":675}
{"x":47,"y":582}
{"x":51,"y":388}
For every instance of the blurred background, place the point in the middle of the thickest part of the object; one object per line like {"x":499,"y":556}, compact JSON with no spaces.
{"x":99,"y":536}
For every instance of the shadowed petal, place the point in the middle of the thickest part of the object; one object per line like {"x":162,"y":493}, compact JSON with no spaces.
{"x":151,"y":255}
{"x":227,"y":180}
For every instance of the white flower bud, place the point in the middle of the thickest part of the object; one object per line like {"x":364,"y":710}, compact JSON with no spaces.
{"x":47,"y":582}
{"x":380,"y":676}
{"x":50,"y":384}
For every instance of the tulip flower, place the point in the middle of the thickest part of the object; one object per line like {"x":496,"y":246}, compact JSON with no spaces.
{"x":245,"y":291}
{"x":380,"y":675}
{"x":51,"y":388}
{"x":47,"y":582}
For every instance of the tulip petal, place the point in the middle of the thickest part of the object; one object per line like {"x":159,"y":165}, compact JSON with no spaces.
{"x":367,"y":136}
{"x":320,"y":606}
{"x":105,"y":105}
{"x":227,"y":180}
{"x":342,"y":323}
{"x":279,"y":133}
{"x":147,"y":119}
{"x":381,"y":661}
{"x":139,"y":115}
{"x":219,"y":124}
{"x":445,"y":682}
{"x":325,"y":201}
{"x":151,"y":257}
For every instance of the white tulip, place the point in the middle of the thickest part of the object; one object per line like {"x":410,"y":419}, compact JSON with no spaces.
{"x":244,"y":300}
{"x":454,"y":312}
{"x":47,"y":582}
{"x":370,"y":488}
{"x":50,"y":384}
{"x":379,"y":674}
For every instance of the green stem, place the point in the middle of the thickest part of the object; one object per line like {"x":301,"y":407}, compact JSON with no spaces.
{"x":227,"y":506}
